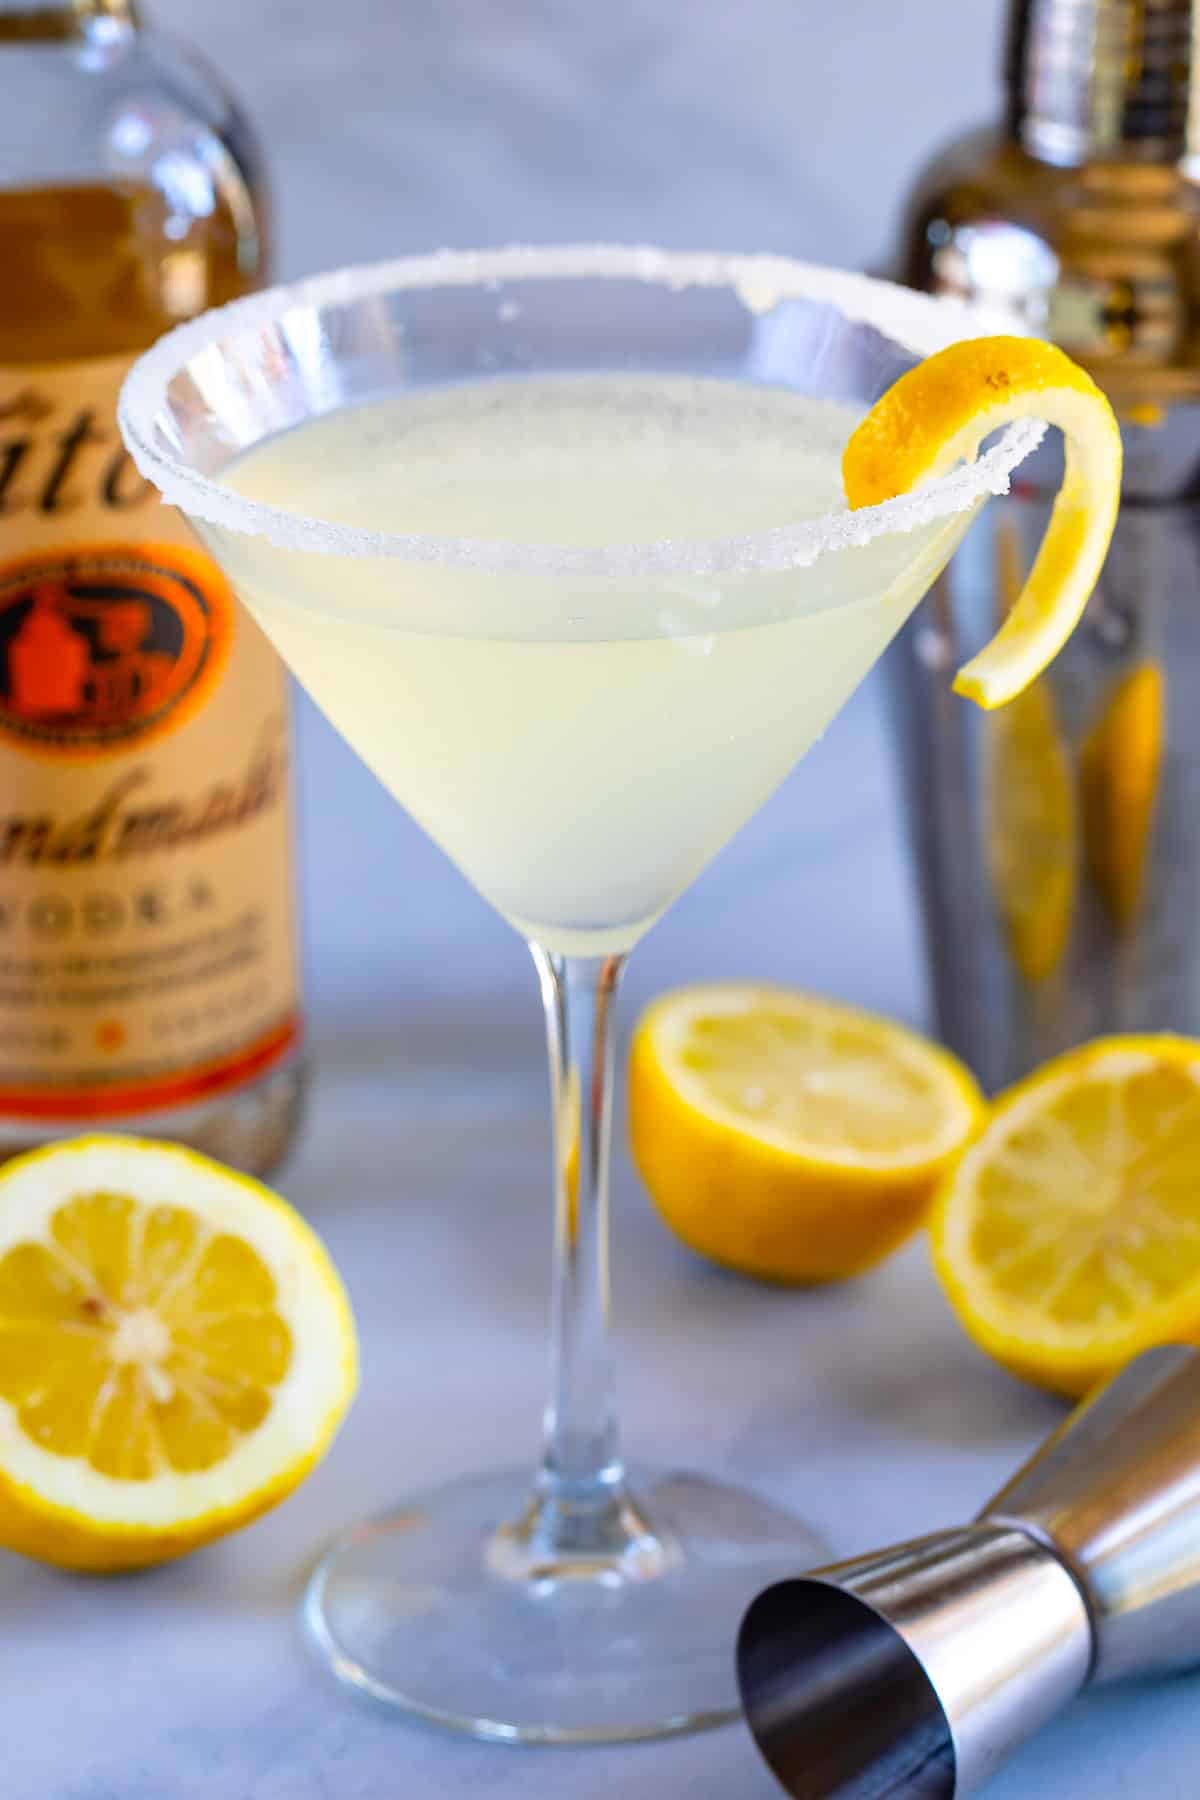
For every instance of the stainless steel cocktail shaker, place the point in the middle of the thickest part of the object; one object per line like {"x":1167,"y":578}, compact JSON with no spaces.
{"x":1057,"y":843}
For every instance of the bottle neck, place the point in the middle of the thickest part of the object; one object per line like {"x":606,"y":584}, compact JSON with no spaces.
{"x":58,"y":21}
{"x":1103,"y":80}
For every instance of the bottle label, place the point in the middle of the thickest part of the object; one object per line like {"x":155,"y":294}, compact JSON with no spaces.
{"x":147,"y":941}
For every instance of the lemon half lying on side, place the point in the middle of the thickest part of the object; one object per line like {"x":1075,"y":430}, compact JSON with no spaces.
{"x":938,"y":414}
{"x":1068,"y":1237}
{"x":176,"y":1352}
{"x":788,"y":1136}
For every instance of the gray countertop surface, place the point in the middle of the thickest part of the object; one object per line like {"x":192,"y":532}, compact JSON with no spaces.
{"x":776,"y":124}
{"x":425,"y":1166}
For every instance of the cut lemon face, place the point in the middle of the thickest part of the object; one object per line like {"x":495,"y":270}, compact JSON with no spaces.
{"x":176,"y":1352}
{"x":1068,"y":1236}
{"x":787,"y":1136}
{"x":939,"y":414}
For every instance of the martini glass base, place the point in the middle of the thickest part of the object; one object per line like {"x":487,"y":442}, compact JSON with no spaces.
{"x":429,"y":1610}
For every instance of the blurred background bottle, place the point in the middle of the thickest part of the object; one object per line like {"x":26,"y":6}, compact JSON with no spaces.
{"x":148,"y":964}
{"x":1057,"y":842}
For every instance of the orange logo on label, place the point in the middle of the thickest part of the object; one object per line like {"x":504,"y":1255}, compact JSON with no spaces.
{"x":108,"y":642}
{"x":111,"y":1035}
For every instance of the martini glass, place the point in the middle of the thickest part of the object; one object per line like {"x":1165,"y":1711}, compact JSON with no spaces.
{"x":556,"y":539}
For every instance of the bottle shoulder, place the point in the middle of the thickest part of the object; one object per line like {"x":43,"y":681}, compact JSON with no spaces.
{"x":82,"y":110}
{"x":131,"y":195}
{"x":177,"y":91}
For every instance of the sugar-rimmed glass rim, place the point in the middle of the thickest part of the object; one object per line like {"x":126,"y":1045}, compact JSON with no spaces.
{"x":915,"y":323}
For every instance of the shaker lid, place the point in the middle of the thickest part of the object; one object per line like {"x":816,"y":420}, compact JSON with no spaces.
{"x":1091,"y":80}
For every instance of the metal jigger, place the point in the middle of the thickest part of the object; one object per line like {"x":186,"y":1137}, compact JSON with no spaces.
{"x":915,"y":1671}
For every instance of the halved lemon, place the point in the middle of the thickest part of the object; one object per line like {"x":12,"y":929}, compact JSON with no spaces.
{"x":939,"y":414}
{"x":788,"y":1136}
{"x":176,"y":1352}
{"x":1068,"y":1236}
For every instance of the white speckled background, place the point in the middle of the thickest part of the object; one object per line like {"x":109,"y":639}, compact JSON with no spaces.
{"x":403,"y":124}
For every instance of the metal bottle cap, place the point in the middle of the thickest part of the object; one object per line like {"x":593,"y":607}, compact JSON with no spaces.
{"x":916,"y":1670}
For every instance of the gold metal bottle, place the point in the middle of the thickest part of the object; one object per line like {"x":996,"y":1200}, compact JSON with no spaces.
{"x":1057,"y":843}
{"x":148,"y":966}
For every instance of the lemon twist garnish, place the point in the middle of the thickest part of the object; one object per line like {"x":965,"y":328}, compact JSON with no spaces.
{"x":939,"y":414}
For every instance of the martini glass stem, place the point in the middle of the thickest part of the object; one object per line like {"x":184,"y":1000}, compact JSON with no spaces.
{"x":581,"y":1515}
{"x":582,"y":1446}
